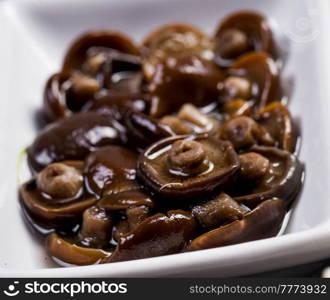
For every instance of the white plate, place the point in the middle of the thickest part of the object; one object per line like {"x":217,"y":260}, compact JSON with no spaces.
{"x":34,"y":37}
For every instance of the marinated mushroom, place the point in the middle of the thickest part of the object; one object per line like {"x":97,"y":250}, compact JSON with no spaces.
{"x":174,"y":40}
{"x":235,"y":87}
{"x":243,"y":132}
{"x":56,"y":196}
{"x":126,"y":199}
{"x":67,"y":93}
{"x":82,"y":48}
{"x":262,"y":72}
{"x":116,"y":103}
{"x":199,"y":121}
{"x":189,"y":119}
{"x":178,"y":126}
{"x":136,"y":215}
{"x":59,"y":180}
{"x":240,"y":33}
{"x":157,"y":235}
{"x":143,"y":130}
{"x":218,"y":211}
{"x":70,"y":252}
{"x":115,"y":71}
{"x":96,"y":61}
{"x":276,"y":118}
{"x":262,"y":222}
{"x":111,"y":170}
{"x":238,"y":107}
{"x":232,"y":43}
{"x":187,"y":167}
{"x":96,"y":227}
{"x":72,"y":139}
{"x":110,"y":174}
{"x":184,"y":79}
{"x":254,"y":166}
{"x":279,"y":174}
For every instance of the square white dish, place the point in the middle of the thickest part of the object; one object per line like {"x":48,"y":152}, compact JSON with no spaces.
{"x":35,"y":35}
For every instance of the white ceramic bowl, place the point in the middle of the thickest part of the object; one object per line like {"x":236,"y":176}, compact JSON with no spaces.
{"x":34,"y":36}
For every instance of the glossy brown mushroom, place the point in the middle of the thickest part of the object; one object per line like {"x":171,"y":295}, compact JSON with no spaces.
{"x":178,"y":126}
{"x":237,"y":107}
{"x":116,"y":103}
{"x":244,"y":132}
{"x":282,"y":178}
{"x":48,"y":198}
{"x":235,"y":87}
{"x":78,"y":52}
{"x":174,"y":40}
{"x":277,"y":119}
{"x":157,"y":235}
{"x":130,"y":217}
{"x":143,"y":130}
{"x":72,"y":139}
{"x":136,"y":215}
{"x":69,"y":252}
{"x":111,"y":170}
{"x":240,"y":33}
{"x":96,"y":227}
{"x":199,"y":121}
{"x":60,"y":180}
{"x":115,"y":71}
{"x":263,"y":222}
{"x":261,"y":70}
{"x":254,"y":166}
{"x":55,"y":100}
{"x":186,"y":79}
{"x":126,"y":199}
{"x":67,"y":93}
{"x":186,"y":167}
{"x":218,"y":211}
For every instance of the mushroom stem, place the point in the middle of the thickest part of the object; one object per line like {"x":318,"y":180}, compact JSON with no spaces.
{"x":187,"y":157}
{"x":59,"y":180}
{"x":96,"y":227}
{"x":263,"y":222}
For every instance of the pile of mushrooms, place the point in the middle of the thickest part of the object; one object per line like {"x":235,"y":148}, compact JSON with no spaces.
{"x":179,"y":144}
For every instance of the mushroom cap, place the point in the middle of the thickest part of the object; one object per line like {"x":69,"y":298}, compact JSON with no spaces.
{"x":174,"y":40}
{"x":143,"y":130}
{"x":50,"y":212}
{"x":244,"y":132}
{"x":154,"y":172}
{"x":157,"y":235}
{"x":110,"y":170}
{"x":126,"y":199}
{"x":262,"y":71}
{"x":283,"y":180}
{"x":55,"y":105}
{"x":255,"y":26}
{"x":67,"y":93}
{"x":116,"y":103}
{"x":77,"y":52}
{"x":184,"y":79}
{"x":72,"y":139}
{"x":66,"y":252}
{"x":276,"y":118}
{"x":262,"y":222}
